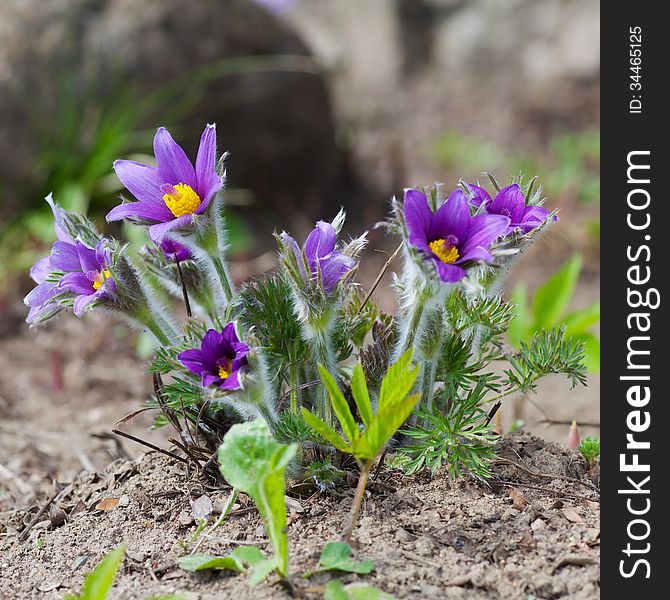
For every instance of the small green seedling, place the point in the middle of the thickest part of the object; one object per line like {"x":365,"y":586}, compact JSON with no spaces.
{"x":253,"y":462}
{"x":395,"y":405}
{"x":99,"y":581}
{"x":235,"y":561}
{"x":336,"y":556}
{"x":589,"y":448}
{"x":336,"y":590}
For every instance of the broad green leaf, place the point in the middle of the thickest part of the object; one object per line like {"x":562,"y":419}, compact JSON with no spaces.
{"x":398,"y":381}
{"x":552,"y":298}
{"x":248,"y":554}
{"x":99,"y":581}
{"x":387,"y":422}
{"x":519,"y":327}
{"x":262,"y":569}
{"x":202,"y":562}
{"x":252,"y":461}
{"x":340,"y":405}
{"x":359,"y":390}
{"x":336,"y":556}
{"x":336,"y":590}
{"x":579,"y":322}
{"x":324,"y":430}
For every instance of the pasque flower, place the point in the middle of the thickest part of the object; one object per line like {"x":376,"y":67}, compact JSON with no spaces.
{"x":510,"y":202}
{"x":219,"y":360}
{"x":174,"y":250}
{"x":320,"y":257}
{"x":451,"y":237}
{"x":170,"y":194}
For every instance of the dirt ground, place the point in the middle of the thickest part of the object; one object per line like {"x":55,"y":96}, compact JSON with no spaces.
{"x":533,"y":532}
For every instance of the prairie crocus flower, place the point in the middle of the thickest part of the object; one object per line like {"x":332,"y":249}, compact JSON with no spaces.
{"x":318,"y":260}
{"x":451,"y":237}
{"x":172,"y":193}
{"x":174,"y":250}
{"x":510,"y":202}
{"x":219,"y":360}
{"x":87,"y":275}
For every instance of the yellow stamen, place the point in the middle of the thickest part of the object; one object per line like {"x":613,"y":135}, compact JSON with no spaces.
{"x":100,"y":279}
{"x":226,"y":369}
{"x":182,"y":200}
{"x":446,"y":253}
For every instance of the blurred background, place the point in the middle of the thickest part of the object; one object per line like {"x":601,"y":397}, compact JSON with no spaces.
{"x":321,"y":104}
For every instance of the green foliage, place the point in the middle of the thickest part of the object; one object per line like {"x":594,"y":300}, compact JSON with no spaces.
{"x":337,"y":556}
{"x":548,"y":308}
{"x":98,"y":582}
{"x":235,"y":561}
{"x":589,"y":448}
{"x":458,"y":436}
{"x":395,"y":405}
{"x":252,"y":461}
{"x":336,"y":590}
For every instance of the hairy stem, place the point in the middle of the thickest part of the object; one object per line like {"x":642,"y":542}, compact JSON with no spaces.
{"x":358,"y":499}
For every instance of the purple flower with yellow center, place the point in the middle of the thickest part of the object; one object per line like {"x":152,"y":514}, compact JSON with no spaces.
{"x":170,"y":194}
{"x":321,"y":257}
{"x":219,"y":360}
{"x":451,"y":237}
{"x":174,"y":250}
{"x":510,"y":202}
{"x":87,"y":272}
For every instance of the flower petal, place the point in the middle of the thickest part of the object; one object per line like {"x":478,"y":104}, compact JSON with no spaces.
{"x":81,"y":303}
{"x":209,"y":379}
{"x":41,"y":269}
{"x":142,"y":181}
{"x":477,"y":254}
{"x":173,"y":165}
{"x":452,"y":218}
{"x":88,"y":258}
{"x":160,"y":230}
{"x":449,"y":273}
{"x":418,"y":217}
{"x":193,"y":360}
{"x":292,"y":245}
{"x":77,"y":283}
{"x":480,"y":195}
{"x":320,"y":242}
{"x":146,"y":211}
{"x":208,"y":182}
{"x":533,"y":217}
{"x":232,"y":382}
{"x":40,"y":294}
{"x":333,"y":267}
{"x":64,"y":257}
{"x":484,"y":230}
{"x":509,"y":202}
{"x":229,"y":335}
{"x":211,"y":346}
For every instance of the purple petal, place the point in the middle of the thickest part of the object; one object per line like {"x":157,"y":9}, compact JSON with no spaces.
{"x":64,"y":257}
{"x":193,"y":360}
{"x":147,"y":211}
{"x":333,"y":267}
{"x":449,"y":273}
{"x":41,"y":269}
{"x":320,"y":242}
{"x":160,"y":230}
{"x":480,"y":195}
{"x":209,"y":379}
{"x":142,"y":181}
{"x":170,"y":248}
{"x":297,"y":252}
{"x":484,"y":230}
{"x":476,"y":254}
{"x":88,"y":258}
{"x":82,"y":302}
{"x":232,"y":382}
{"x":208,"y":182}
{"x":418,"y":217}
{"x":40,"y":294}
{"x":509,"y":202}
{"x":533,"y":217}
{"x":452,"y":218}
{"x":211,"y":346}
{"x":59,"y":218}
{"x":229,"y":335}
{"x":77,"y":283}
{"x":173,"y":165}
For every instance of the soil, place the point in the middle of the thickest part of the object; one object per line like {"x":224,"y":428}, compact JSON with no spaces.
{"x":530,"y":532}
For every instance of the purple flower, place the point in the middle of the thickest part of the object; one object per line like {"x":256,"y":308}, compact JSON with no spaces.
{"x":170,"y":194}
{"x":172,"y":249}
{"x":321,"y":257}
{"x":451,"y":237}
{"x":219,"y":360}
{"x":87,"y":272}
{"x":510,"y":202}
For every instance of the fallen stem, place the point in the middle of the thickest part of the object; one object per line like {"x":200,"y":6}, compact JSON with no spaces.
{"x":150,"y":445}
{"x":358,"y":499}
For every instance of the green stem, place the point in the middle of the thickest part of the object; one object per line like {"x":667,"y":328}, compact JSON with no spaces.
{"x":293,"y":383}
{"x":408,"y":334}
{"x":224,"y":278}
{"x":428,"y":384}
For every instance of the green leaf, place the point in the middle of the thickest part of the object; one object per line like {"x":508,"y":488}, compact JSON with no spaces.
{"x":340,"y":405}
{"x":335,"y":590}
{"x":262,"y":569}
{"x":518,"y":329}
{"x":336,"y":556}
{"x":248,"y":554}
{"x":398,"y":381}
{"x":591,"y":351}
{"x":202,"y":562}
{"x":552,"y":298}
{"x":359,"y":390}
{"x":252,"y":461}
{"x":387,"y":422}
{"x":324,"y":430}
{"x":99,"y":581}
{"x":579,"y":322}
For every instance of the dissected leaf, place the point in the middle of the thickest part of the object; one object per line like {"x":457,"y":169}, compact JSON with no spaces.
{"x":359,"y":391}
{"x":336,"y":556}
{"x":398,"y":381}
{"x":340,"y":405}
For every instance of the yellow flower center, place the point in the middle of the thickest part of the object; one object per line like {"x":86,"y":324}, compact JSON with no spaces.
{"x":226,"y":369}
{"x":447,"y":253}
{"x":182,"y":200}
{"x":100,"y":279}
